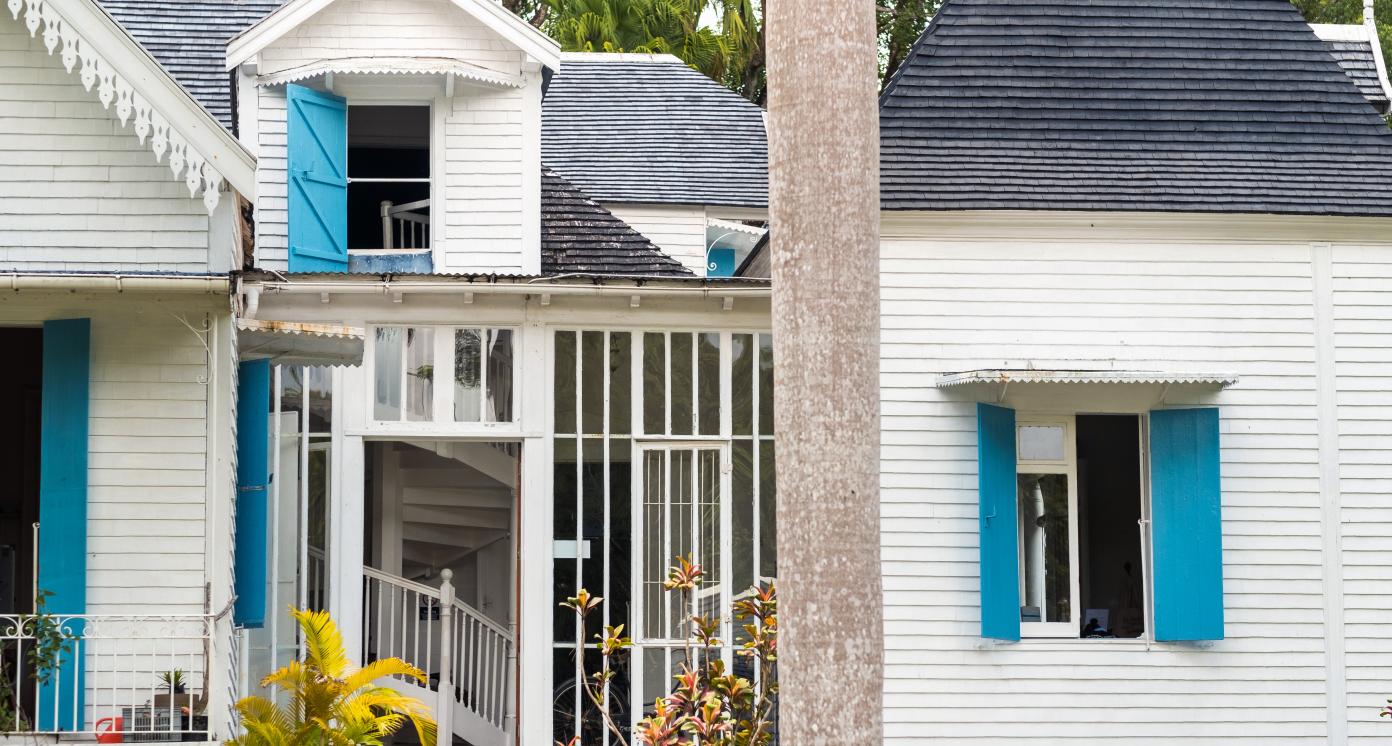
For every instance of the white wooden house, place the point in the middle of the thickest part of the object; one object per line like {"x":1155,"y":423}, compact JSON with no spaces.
{"x":119,"y":214}
{"x":370,"y":206}
{"x":1135,"y":479}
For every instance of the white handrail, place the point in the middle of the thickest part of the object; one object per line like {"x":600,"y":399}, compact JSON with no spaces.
{"x":403,"y":228}
{"x":465,"y":654}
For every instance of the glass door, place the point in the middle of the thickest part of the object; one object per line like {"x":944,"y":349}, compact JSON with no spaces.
{"x":684,"y":512}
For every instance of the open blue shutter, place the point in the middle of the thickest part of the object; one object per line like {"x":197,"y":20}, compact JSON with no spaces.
{"x":253,"y":477}
{"x":1000,"y":558}
{"x":317,"y":142}
{"x":62,"y":570}
{"x":1186,"y":524}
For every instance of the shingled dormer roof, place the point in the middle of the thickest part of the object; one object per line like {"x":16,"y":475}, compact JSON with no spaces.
{"x":1357,"y":49}
{"x":578,"y":236}
{"x":1230,"y":106}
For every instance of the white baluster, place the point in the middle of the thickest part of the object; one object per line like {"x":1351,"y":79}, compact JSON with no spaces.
{"x":444,"y":714}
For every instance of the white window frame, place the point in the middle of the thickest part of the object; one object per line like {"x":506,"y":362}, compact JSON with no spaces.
{"x":436,"y":139}
{"x":1068,"y":466}
{"x":642,"y":641}
{"x":442,"y":395}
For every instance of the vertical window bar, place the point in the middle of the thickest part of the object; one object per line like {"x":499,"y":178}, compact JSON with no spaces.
{"x":485,"y":355}
{"x":604,"y":430}
{"x":579,"y":524}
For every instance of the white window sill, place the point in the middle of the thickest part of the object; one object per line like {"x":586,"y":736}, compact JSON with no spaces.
{"x":1090,"y":643}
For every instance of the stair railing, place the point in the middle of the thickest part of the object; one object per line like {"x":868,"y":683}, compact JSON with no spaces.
{"x":403,"y":227}
{"x":466,"y":656}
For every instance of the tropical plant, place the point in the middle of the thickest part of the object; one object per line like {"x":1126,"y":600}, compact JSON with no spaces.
{"x":44,"y":641}
{"x":173,"y":681}
{"x":708,"y":705}
{"x":330,"y":703}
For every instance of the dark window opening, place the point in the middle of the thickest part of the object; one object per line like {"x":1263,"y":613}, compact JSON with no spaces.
{"x":389,"y":177}
{"x":1109,"y":512}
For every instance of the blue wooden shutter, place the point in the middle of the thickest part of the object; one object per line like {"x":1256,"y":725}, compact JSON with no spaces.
{"x":1000,"y":558}
{"x":1186,"y":524}
{"x":62,"y":570}
{"x":253,"y":477}
{"x":317,"y":143}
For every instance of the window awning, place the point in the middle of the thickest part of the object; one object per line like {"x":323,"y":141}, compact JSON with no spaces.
{"x":466,"y":71}
{"x":290,"y":343}
{"x":1020,"y":376}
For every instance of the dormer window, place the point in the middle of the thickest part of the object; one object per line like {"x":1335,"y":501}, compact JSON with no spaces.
{"x":388,"y":178}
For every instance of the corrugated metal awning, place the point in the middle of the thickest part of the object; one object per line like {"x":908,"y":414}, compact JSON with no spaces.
{"x":1019,"y":376}
{"x":290,"y":343}
{"x":466,"y":71}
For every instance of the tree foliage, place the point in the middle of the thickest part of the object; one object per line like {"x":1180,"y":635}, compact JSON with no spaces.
{"x":899,"y":23}
{"x":1350,"y":11}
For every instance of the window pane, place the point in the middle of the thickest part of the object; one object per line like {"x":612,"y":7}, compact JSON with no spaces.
{"x":709,"y":555}
{"x":742,"y":381}
{"x":386,"y":371}
{"x":768,"y":508}
{"x":742,"y":521}
{"x":679,"y":535}
{"x":592,"y":382}
{"x":654,"y":383}
{"x":291,"y":389}
{"x":468,"y":372}
{"x":420,"y":373}
{"x":620,"y":383}
{"x":766,"y":384}
{"x":320,"y":382}
{"x":565,"y":382}
{"x":681,"y":384}
{"x":499,"y":376}
{"x":620,"y":530}
{"x":708,"y":400}
{"x":1045,"y":570}
{"x":1042,"y":443}
{"x":654,"y":541}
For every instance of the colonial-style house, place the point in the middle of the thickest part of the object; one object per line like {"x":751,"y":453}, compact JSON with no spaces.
{"x":119,"y":224}
{"x":460,"y":387}
{"x":1134,"y":276}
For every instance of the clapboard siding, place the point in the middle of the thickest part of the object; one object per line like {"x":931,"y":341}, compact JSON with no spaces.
{"x":147,"y":478}
{"x":77,"y":189}
{"x":1015,"y":301}
{"x":679,"y":230}
{"x":489,"y":172}
{"x":391,"y":28}
{"x":1362,"y":285}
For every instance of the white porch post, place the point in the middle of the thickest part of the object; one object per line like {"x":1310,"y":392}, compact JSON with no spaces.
{"x":346,"y":518}
{"x":534,"y":549}
{"x":444,"y":709}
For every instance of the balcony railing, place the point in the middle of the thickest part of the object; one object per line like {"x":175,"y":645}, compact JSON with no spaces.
{"x":143,"y":677}
{"x":403,"y":227}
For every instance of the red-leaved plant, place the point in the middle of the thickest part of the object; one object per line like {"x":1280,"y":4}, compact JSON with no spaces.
{"x":708,"y":705}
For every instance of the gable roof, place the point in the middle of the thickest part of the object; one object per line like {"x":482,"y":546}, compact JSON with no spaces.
{"x":506,"y":24}
{"x":647,"y":128}
{"x":122,"y":75}
{"x":1229,"y":106}
{"x":580,"y":237}
{"x":189,"y":37}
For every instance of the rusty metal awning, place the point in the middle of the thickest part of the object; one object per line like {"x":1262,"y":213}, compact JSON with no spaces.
{"x":291,"y":343}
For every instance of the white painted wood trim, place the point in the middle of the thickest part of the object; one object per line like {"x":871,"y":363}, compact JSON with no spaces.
{"x":911,"y":225}
{"x":1370,"y":28}
{"x":1331,"y":503}
{"x":531,"y":173}
{"x":273,"y":27}
{"x":534,"y":549}
{"x":125,"y":75}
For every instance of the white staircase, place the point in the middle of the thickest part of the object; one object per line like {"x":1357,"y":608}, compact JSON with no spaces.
{"x":468,"y":657}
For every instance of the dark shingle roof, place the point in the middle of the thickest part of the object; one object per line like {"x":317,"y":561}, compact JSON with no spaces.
{"x":644,"y":129}
{"x":1356,"y":58}
{"x":1148,"y":105}
{"x":189,"y":38}
{"x":579,"y":236}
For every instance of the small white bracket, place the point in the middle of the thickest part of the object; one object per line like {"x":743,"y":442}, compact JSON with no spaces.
{"x":469,"y":298}
{"x":1000,"y":395}
{"x":728,"y":303}
{"x":635,"y":301}
{"x":396,"y":297}
{"x":329,"y":81}
{"x":323,"y":297}
{"x":545,"y":299}
{"x":1164,"y":391}
{"x":449,"y":86}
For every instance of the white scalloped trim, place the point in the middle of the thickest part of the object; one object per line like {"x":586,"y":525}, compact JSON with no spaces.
{"x":184,"y":161}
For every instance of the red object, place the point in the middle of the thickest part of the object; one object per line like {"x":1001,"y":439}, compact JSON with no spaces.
{"x":111,"y":733}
